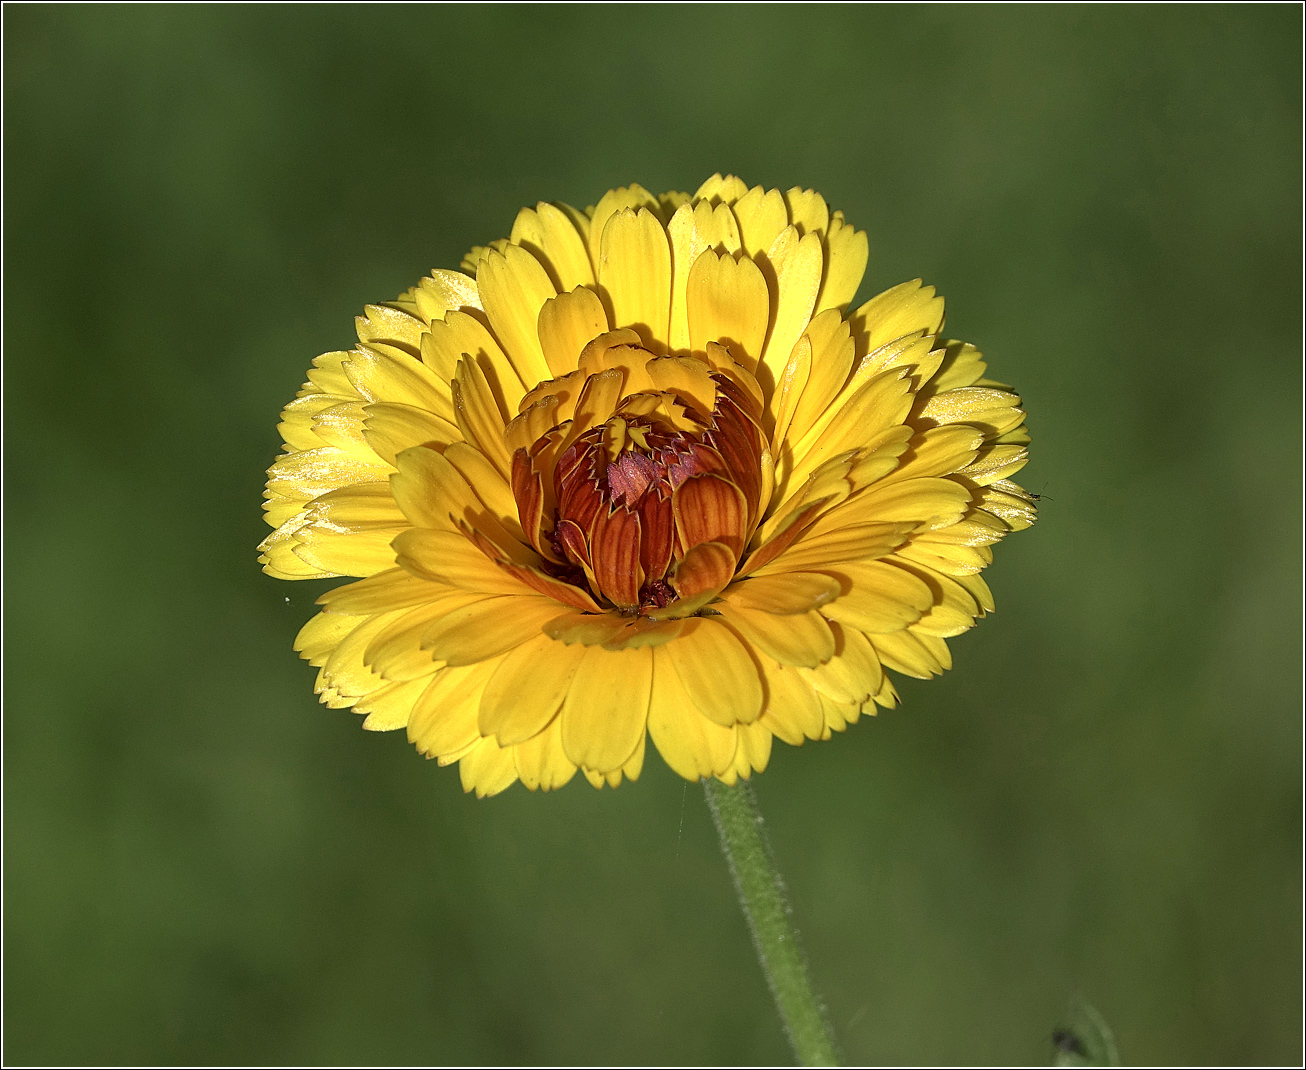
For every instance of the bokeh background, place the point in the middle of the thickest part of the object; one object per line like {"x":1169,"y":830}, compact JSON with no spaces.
{"x":1102,"y":800}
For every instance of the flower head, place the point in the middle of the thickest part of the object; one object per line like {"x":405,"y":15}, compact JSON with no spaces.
{"x":638,"y":471}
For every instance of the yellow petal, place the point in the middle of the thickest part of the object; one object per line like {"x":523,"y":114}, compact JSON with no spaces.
{"x":961,"y":366}
{"x":464,"y":335}
{"x":551,"y":236}
{"x":689,"y":743}
{"x":721,"y":189}
{"x":783,"y":594}
{"x":389,"y":707}
{"x":391,"y":326}
{"x":813,"y":550}
{"x":443,"y":721}
{"x":633,"y":197}
{"x":753,"y":751}
{"x":954,"y":609}
{"x":717,"y":671}
{"x":322,"y":634}
{"x":342,"y":426}
{"x":444,"y":291}
{"x":853,"y":675}
{"x":345,"y":671}
{"x":762,"y":215}
{"x":449,"y":557}
{"x":487,"y":769}
{"x":527,"y":689}
{"x":687,"y":378}
{"x":479,"y":417}
{"x":900,"y":310}
{"x":485,"y":629}
{"x":541,"y":761}
{"x":807,"y":210}
{"x":879,"y":597}
{"x":346,"y":553}
{"x":391,"y":429}
{"x":311,"y":473}
{"x":938,"y":451}
{"x":882,"y":402}
{"x":909,"y":654}
{"x":790,"y":389}
{"x":846,"y":252}
{"x":379,"y":373}
{"x":396,"y":652}
{"x":795,"y":639}
{"x":994,"y":463}
{"x":606,"y":708}
{"x":793,"y":710}
{"x":566,"y":324}
{"x":727,"y":301}
{"x":831,"y":361}
{"x":514,"y":287}
{"x":489,"y":486}
{"x":635,"y":270}
{"x":930,"y":501}
{"x":694,"y":228}
{"x":988,"y":408}
{"x":797,"y":264}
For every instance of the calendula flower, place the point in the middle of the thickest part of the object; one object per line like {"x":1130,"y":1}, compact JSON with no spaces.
{"x":637,"y":471}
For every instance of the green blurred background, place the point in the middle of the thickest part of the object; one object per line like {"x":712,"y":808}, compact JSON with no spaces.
{"x":1103,"y":799}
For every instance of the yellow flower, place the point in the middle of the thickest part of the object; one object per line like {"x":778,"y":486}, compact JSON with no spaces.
{"x":638,"y":471}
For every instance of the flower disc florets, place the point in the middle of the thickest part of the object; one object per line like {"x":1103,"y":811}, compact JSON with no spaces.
{"x":638,"y":471}
{"x":647,"y":493}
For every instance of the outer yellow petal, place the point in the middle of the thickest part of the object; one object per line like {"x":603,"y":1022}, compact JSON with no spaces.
{"x":550,"y":234}
{"x":514,"y":286}
{"x":762,"y":215}
{"x":797,"y":264}
{"x":900,"y":310}
{"x":693,"y":745}
{"x":796,"y":639}
{"x":793,"y":709}
{"x":606,"y":709}
{"x":727,"y":302}
{"x":721,"y":190}
{"x":566,"y":324}
{"x":831,"y":361}
{"x":391,"y":326}
{"x":754,"y":749}
{"x":694,"y":228}
{"x":485,"y":629}
{"x":541,"y":761}
{"x":846,"y":253}
{"x":391,"y":429}
{"x":635,"y":270}
{"x":487,"y":769}
{"x":717,"y":671}
{"x":912,"y":654}
{"x":783,"y":594}
{"x":879,"y":598}
{"x":443,"y":291}
{"x":380,"y":373}
{"x":527,"y":689}
{"x":322,"y":634}
{"x":462,"y":334}
{"x":389,"y":707}
{"x":633,"y":196}
{"x":443,"y":721}
{"x":853,"y":676}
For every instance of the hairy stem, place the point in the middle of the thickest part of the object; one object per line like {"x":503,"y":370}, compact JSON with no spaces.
{"x":762,"y":896}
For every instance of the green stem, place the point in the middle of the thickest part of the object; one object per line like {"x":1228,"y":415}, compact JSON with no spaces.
{"x":762,"y":895}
